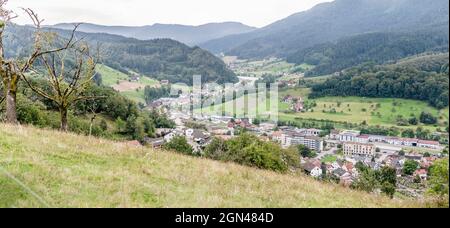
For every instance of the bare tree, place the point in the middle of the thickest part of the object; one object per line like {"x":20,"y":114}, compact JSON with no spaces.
{"x":9,"y":79}
{"x":68,"y":82}
{"x":13,"y":69}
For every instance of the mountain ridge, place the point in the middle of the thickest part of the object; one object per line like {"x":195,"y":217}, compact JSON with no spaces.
{"x":330,"y":21}
{"x":191,"y":35}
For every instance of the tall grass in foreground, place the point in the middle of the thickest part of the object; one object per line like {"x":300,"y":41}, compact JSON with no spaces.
{"x":66,"y":170}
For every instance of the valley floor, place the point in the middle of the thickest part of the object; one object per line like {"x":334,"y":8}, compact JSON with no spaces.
{"x":42,"y":168}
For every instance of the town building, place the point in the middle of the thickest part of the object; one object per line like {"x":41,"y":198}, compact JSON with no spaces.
{"x":155,"y":143}
{"x":429,"y":144}
{"x":358,"y":149}
{"x":349,"y":136}
{"x":312,"y":169}
{"x":312,"y":142}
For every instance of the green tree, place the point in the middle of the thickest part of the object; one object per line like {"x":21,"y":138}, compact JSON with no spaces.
{"x":408,"y":133}
{"x":438,"y":181}
{"x":216,"y":149}
{"x":413,"y":121}
{"x":179,"y":144}
{"x":410,"y":167}
{"x":306,"y":152}
{"x":427,"y":118}
{"x":120,"y":124}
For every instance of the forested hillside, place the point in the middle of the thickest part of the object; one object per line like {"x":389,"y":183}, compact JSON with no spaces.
{"x":160,"y":58}
{"x":375,"y":47}
{"x":428,"y":81}
{"x":328,"y":22}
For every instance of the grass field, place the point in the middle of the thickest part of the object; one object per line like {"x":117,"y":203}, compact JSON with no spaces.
{"x":135,"y":95}
{"x":42,"y":168}
{"x":329,"y":159}
{"x":375,"y":111}
{"x":119,"y":81}
{"x":110,"y":76}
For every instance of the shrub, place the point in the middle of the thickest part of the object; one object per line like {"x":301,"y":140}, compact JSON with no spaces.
{"x":179,"y":144}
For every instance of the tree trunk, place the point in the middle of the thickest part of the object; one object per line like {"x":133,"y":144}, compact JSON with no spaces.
{"x":92,"y":123}
{"x":64,"y":121}
{"x":11,"y":109}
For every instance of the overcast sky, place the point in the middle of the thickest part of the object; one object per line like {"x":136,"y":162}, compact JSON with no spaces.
{"x":146,"y":12}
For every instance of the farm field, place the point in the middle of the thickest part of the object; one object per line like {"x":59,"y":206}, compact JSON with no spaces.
{"x":375,"y":111}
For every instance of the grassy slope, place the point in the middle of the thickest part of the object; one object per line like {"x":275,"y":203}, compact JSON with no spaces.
{"x":352,"y":109}
{"x":66,"y":170}
{"x":110,"y":77}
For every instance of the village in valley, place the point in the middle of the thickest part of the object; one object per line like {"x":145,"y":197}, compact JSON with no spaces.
{"x":333,"y":154}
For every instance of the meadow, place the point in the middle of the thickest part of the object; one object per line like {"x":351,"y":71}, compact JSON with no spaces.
{"x":44,"y":168}
{"x":374,"y":111}
{"x":119,"y":81}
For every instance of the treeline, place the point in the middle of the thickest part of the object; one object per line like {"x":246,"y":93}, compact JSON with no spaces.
{"x":369,"y":80}
{"x":154,"y":93}
{"x":164,"y":59}
{"x":379,"y":48}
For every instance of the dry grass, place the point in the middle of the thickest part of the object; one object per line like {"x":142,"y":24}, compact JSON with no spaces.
{"x":67,"y":170}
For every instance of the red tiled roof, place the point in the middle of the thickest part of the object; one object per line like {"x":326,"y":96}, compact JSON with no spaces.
{"x":277,"y":134}
{"x":429,"y":142}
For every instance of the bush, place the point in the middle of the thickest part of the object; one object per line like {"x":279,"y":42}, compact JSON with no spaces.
{"x":179,"y":144}
{"x":427,"y":118}
{"x":249,"y":150}
{"x":410,"y":167}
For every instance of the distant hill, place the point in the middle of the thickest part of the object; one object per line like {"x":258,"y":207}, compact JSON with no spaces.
{"x":328,"y":22}
{"x":158,"y":58}
{"x":191,"y":35}
{"x":77,"y":171}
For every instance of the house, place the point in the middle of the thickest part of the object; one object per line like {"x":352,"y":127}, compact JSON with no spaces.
{"x":277,"y":136}
{"x":172,"y":135}
{"x":197,"y":136}
{"x":163,"y":131}
{"x":267,"y":126}
{"x":134,"y":78}
{"x":348,"y":166}
{"x":298,"y":106}
{"x":288,"y":99}
{"x":156,"y":143}
{"x":374,"y":165}
{"x":346,"y":179}
{"x":164,"y":82}
{"x":312,"y":169}
{"x":422,"y":173}
{"x":416,"y":157}
{"x":339,"y":172}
